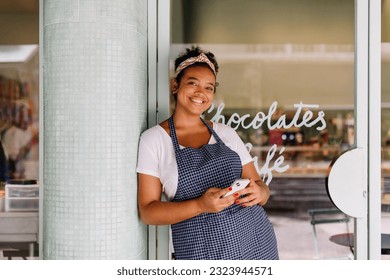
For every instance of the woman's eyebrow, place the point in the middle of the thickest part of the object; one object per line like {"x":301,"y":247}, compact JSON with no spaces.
{"x":194,"y":78}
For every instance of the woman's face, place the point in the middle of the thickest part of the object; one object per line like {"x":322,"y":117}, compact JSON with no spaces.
{"x":195,"y":93}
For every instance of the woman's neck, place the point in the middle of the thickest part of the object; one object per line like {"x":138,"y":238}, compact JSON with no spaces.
{"x":191,"y":131}
{"x":185,"y":120}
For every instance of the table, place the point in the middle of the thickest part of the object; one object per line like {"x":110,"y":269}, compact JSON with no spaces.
{"x":347,"y":239}
{"x":18,"y":228}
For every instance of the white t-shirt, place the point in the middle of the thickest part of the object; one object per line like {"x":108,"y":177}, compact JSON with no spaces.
{"x":156,"y":155}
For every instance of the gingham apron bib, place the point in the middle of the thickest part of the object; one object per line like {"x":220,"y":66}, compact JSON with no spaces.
{"x":236,"y":232}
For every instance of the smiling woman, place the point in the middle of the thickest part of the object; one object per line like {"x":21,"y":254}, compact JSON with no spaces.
{"x":194,"y":162}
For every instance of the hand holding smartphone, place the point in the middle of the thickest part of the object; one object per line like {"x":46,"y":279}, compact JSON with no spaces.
{"x":237,"y":185}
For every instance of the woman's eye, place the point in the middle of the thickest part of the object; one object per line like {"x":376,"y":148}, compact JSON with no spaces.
{"x":210,"y":89}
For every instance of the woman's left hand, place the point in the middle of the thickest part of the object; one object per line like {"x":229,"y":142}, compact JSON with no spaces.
{"x":255,"y":193}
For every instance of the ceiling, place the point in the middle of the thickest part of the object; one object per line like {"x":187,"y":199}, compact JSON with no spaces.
{"x":19,"y":6}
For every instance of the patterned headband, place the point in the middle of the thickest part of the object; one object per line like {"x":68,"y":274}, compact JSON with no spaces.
{"x":189,"y":61}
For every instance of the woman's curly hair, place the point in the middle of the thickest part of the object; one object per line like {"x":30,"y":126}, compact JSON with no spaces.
{"x":194,"y":51}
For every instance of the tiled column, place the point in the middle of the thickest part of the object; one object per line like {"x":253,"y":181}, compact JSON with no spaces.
{"x":95,"y":102}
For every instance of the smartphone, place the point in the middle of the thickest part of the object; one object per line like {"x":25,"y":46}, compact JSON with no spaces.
{"x":238,"y":185}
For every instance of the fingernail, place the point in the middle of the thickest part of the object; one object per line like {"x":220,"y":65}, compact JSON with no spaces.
{"x":244,"y":205}
{"x":237,"y":201}
{"x":236,"y":194}
{"x":230,"y":189}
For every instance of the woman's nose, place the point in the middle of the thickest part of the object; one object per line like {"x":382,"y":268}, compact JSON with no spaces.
{"x":200,"y":90}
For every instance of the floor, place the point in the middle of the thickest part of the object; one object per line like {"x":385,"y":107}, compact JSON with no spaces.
{"x":296,"y":240}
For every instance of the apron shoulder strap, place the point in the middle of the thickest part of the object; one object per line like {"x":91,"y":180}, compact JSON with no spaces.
{"x":172,"y":132}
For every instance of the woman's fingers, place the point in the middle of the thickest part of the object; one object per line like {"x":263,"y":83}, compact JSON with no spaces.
{"x":251,"y":195}
{"x":213,"y":200}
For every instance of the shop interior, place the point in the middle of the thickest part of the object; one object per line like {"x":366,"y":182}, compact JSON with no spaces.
{"x":19,"y":129}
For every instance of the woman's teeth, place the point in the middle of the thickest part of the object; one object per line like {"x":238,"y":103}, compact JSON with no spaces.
{"x":197,"y":101}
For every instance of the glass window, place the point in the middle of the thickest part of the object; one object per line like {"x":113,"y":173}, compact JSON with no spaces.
{"x":287,"y":86}
{"x":19,"y":90}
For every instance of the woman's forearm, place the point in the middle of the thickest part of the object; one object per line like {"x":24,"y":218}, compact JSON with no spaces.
{"x":167,"y":213}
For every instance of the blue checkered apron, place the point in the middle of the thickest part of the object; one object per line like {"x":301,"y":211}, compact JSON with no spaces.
{"x":236,"y":232}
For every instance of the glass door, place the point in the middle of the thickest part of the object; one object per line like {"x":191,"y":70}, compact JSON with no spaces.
{"x":289,"y":87}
